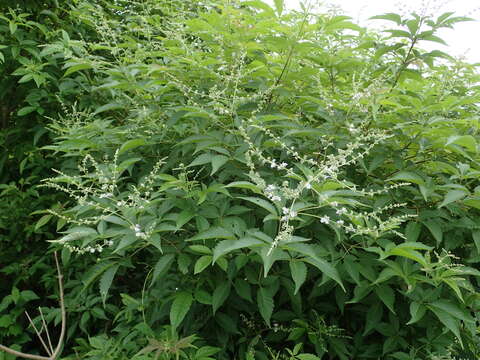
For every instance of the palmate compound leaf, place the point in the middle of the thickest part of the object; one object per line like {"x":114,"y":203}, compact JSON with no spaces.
{"x":180,"y":307}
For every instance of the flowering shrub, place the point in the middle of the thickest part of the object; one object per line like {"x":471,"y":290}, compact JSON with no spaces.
{"x":249,"y":183}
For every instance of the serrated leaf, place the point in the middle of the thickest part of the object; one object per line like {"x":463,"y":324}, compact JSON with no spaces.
{"x":451,"y":196}
{"x":226,"y":246}
{"x":108,"y":107}
{"x":245,"y":185}
{"x":42,"y":221}
{"x":96,"y":271}
{"x":407,"y":176}
{"x":220,"y":294}
{"x":106,"y":281}
{"x":387,"y":295}
{"x":449,"y":321}
{"x":435,"y":228}
{"x":217,"y":162}
{"x":131,"y":144}
{"x":262,"y":203}
{"x":417,"y":311}
{"x":202,"y":263}
{"x":306,"y":356}
{"x":76,"y":67}
{"x":298,"y":270}
{"x":213,"y":233}
{"x":310,"y":257}
{"x":265,"y":304}
{"x":180,"y":307}
{"x":389,"y":16}
{"x":162,"y":266}
{"x":243,"y":289}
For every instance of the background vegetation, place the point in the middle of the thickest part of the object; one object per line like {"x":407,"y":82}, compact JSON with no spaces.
{"x":228,"y":180}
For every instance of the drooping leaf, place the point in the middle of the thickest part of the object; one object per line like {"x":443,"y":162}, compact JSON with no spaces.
{"x":298,"y":270}
{"x":180,"y":307}
{"x":106,"y":281}
{"x":265,"y":303}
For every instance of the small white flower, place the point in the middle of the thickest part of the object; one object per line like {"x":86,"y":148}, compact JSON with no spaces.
{"x":325,"y":219}
{"x":334,"y":203}
{"x":92,"y":250}
{"x":340,"y":222}
{"x":282,"y":166}
{"x":293,"y":213}
{"x":276,"y":198}
{"x":341,"y":211}
{"x":285,"y":210}
{"x":270,"y":187}
{"x":273,"y":164}
{"x":308,"y":186}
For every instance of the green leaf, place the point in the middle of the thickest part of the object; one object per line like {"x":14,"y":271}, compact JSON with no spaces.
{"x":42,"y":221}
{"x":106,"y":281}
{"x":108,"y":107}
{"x":449,"y":321}
{"x":245,"y":185}
{"x":453,"y":310}
{"x":279,"y":4}
{"x":265,"y":304}
{"x":407,"y":176}
{"x":131,"y":144}
{"x":476,"y":239}
{"x":435,"y":228}
{"x":202,"y":263}
{"x":220,"y":294}
{"x":399,"y":33}
{"x":243,"y":289}
{"x":467,"y":141}
{"x":306,"y":356}
{"x":217,"y":162}
{"x":387,"y":295}
{"x":162,"y":265}
{"x":389,"y":16}
{"x":97,"y":270}
{"x":262,"y":203}
{"x":417,"y":311}
{"x":299,"y":273}
{"x":213,"y":233}
{"x":310,"y":257}
{"x":26,"y":110}
{"x":413,"y":230}
{"x":226,"y":246}
{"x":409,"y":252}
{"x":180,"y":307}
{"x":74,"y":67}
{"x":451,"y":196}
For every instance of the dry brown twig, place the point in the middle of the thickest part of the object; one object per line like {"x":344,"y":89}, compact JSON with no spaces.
{"x":53,"y":354}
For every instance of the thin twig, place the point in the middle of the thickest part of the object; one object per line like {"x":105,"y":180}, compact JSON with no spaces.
{"x":53,"y":355}
{"x":39,"y":334}
{"x":46,"y":331}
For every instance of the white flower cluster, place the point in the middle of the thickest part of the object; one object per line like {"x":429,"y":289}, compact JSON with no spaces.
{"x":271,"y":192}
{"x":90,"y":249}
{"x":138,"y":231}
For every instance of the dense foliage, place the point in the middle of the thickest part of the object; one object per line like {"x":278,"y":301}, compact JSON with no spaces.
{"x":229,"y":180}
